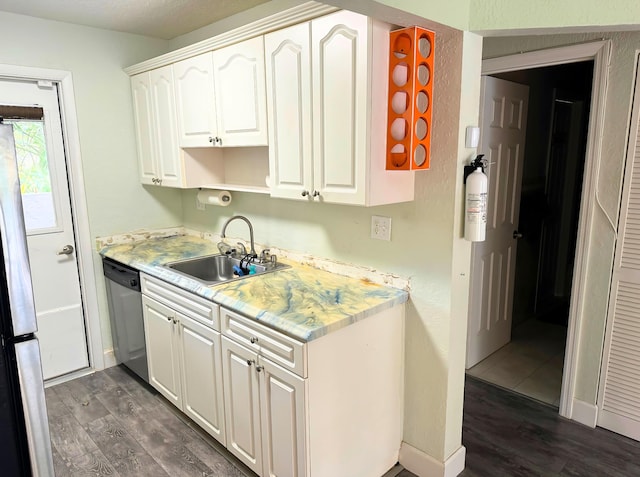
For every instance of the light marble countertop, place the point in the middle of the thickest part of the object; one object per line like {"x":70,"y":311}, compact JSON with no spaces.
{"x":301,"y":301}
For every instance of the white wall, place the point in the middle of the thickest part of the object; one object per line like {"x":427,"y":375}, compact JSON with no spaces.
{"x":493,"y":16}
{"x":115,"y":200}
{"x":613,"y":147}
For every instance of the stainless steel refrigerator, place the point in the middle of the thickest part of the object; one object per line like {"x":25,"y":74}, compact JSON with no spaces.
{"x":25,"y":446}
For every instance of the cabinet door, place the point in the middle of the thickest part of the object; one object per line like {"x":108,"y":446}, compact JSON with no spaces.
{"x":143,"y":118}
{"x":162,"y":349}
{"x":282,"y":410}
{"x":288,"y":72}
{"x":166,"y":134}
{"x":242,"y":409}
{"x":240,"y":94}
{"x":195,"y":107}
{"x":202,"y":398}
{"x":339,"y":52}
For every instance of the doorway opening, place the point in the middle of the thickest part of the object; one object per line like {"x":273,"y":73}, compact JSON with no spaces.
{"x":554,"y":161}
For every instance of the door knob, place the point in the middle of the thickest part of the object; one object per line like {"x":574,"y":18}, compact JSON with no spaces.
{"x":66,"y":250}
{"x":517,"y":235}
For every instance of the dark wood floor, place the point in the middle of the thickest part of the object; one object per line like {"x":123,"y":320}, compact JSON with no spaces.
{"x":108,"y":424}
{"x":510,"y":435}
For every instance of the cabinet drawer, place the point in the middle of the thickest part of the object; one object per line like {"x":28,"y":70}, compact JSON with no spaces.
{"x":279,"y":348}
{"x":193,"y":306}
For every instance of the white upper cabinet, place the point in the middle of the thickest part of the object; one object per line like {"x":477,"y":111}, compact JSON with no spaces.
{"x":288,"y":68}
{"x":168,"y":152}
{"x":315,"y":93}
{"x":340,"y":104}
{"x":142,"y":112}
{"x":220,"y":97}
{"x":238,"y":73}
{"x":195,"y":103}
{"x":327,"y":100}
{"x":155,"y":120}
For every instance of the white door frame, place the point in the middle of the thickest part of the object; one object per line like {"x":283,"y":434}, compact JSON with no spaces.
{"x":600,"y":53}
{"x":79,"y":213}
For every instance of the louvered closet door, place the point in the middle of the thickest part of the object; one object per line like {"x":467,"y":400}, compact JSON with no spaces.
{"x":619,"y":396}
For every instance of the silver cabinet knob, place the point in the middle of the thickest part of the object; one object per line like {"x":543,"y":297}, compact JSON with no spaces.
{"x":253,"y":340}
{"x":250,"y":362}
{"x":219,"y":141}
{"x":66,"y":250}
{"x":305,"y":193}
{"x":259,"y":368}
{"x":316,"y":193}
{"x":211,"y":139}
{"x":517,"y":235}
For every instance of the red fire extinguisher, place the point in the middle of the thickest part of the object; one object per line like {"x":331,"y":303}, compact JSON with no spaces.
{"x":475,"y":220}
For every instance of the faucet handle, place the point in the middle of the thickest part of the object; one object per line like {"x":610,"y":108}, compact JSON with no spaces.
{"x":264,"y":255}
{"x":224,"y":248}
{"x":243,"y":249}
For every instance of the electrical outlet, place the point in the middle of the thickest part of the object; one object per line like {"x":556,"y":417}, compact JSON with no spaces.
{"x":380,"y":227}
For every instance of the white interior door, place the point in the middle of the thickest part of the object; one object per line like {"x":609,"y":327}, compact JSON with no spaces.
{"x":503,"y":122}
{"x":619,"y":393}
{"x":47,"y":212}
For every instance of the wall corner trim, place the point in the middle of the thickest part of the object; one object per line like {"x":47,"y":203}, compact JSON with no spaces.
{"x":584,"y":413}
{"x":423,"y":465}
{"x":109,"y":359}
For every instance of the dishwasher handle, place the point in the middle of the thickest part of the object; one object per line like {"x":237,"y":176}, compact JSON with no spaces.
{"x":122,"y":274}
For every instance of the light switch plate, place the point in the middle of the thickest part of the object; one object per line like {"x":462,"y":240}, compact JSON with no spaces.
{"x":472,"y":137}
{"x":380,"y":227}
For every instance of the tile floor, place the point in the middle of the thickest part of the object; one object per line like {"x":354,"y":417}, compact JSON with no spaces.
{"x":531,"y":364}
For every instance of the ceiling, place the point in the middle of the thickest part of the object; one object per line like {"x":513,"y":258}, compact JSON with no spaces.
{"x":164,"y":19}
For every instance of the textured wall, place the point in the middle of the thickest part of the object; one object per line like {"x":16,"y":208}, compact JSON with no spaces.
{"x":590,"y":15}
{"x":454,"y":13}
{"x":613,"y":143}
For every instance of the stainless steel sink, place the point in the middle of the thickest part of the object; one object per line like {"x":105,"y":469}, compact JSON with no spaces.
{"x":212,"y":269}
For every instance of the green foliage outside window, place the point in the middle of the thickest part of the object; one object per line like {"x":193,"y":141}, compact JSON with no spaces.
{"x":31,"y":149}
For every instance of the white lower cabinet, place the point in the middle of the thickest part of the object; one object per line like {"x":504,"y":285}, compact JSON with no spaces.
{"x":264,"y":408}
{"x":242,"y":404}
{"x":185,"y":364}
{"x":162,"y":350}
{"x":282,"y":412}
{"x":329,"y":407}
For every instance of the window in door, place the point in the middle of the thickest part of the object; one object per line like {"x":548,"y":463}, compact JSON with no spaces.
{"x":34,"y":168}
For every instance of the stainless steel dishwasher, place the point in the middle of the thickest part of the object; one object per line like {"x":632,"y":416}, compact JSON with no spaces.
{"x":125,"y":314}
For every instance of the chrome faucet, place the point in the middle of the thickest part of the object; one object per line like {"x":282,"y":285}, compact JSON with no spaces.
{"x":224,"y":228}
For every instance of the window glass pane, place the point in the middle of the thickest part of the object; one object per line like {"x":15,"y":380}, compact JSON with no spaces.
{"x":35,"y":179}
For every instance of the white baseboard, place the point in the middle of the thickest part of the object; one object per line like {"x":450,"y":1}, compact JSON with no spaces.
{"x":109,"y":358}
{"x":423,"y":465}
{"x":584,"y":413}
